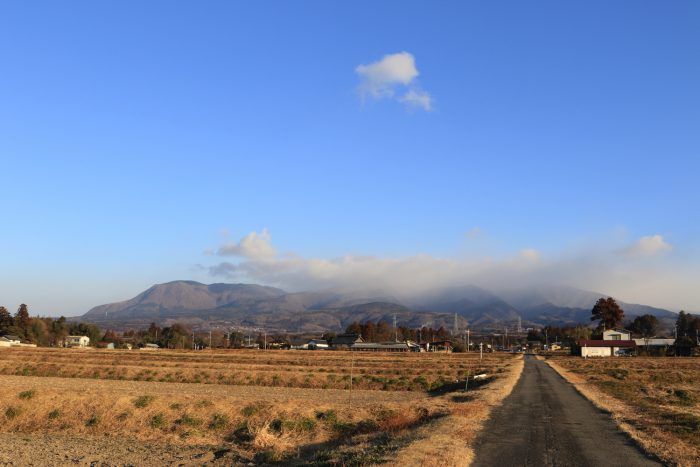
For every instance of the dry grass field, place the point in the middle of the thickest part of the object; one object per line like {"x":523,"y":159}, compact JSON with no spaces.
{"x":656,"y":400}
{"x":266,"y":407}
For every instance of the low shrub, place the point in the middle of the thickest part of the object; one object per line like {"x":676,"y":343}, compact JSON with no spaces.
{"x":142,"y":401}
{"x":92,"y":421}
{"x":188,"y":420}
{"x":12,"y":412}
{"x":157,"y":421}
{"x":54,"y":414}
{"x":26,"y":395}
{"x":218,"y":422}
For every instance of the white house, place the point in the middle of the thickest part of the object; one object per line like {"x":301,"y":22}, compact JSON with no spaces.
{"x":616,"y":335}
{"x":8,"y":341}
{"x":77,"y":341}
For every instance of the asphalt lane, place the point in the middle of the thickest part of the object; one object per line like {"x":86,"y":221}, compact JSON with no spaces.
{"x":545,"y":422}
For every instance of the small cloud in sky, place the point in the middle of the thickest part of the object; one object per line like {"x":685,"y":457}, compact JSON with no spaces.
{"x":419,"y":99}
{"x":385,"y":78}
{"x":254,"y":246}
{"x":473,"y":233}
{"x":650,"y":245}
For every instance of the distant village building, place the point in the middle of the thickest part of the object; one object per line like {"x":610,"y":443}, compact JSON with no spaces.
{"x":345,"y":341}
{"x":317,"y":344}
{"x":77,"y":341}
{"x":9,"y":341}
{"x":4,"y":342}
{"x":150,"y":346}
{"x":614,"y":343}
{"x":406,"y":346}
{"x":438,"y":346}
{"x":105,"y":345}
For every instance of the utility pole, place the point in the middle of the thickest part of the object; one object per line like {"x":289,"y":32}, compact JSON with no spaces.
{"x":396,"y":331}
{"x":468,"y":340}
{"x":192,"y":340}
{"x":265,"y":340}
{"x":455,"y":329}
{"x":209,"y":339}
{"x":481,"y":351}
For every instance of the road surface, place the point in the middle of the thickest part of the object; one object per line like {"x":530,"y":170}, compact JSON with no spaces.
{"x":545,"y":422}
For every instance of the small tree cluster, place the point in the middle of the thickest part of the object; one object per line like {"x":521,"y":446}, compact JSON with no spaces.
{"x":43,"y":331}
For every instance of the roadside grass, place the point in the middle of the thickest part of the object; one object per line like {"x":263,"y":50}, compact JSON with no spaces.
{"x":654,"y":399}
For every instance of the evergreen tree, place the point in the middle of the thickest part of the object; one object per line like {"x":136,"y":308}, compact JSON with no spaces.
{"x":5,"y":318}
{"x":22,"y":317}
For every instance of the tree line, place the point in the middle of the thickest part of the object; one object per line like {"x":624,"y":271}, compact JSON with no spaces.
{"x":43,"y":331}
{"x":382,"y":331}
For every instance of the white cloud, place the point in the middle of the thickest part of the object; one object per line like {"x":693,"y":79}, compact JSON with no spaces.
{"x":379,"y":78}
{"x":474,"y":233}
{"x":414,"y":98}
{"x":651,"y":245}
{"x":667,"y":283}
{"x":394,"y":72}
{"x":254,"y":246}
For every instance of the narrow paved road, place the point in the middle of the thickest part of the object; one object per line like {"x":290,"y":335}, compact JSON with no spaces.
{"x":545,"y":422}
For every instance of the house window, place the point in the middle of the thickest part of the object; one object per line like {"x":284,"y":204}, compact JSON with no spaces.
{"x":615,"y":337}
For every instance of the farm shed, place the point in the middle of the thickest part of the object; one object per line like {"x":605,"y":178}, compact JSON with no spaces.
{"x":380,"y":347}
{"x":317,"y":344}
{"x":604,"y":348}
{"x":438,"y":346}
{"x":345,"y":341}
{"x":296,"y":343}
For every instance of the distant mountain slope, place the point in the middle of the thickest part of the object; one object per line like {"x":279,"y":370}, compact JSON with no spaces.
{"x":177,"y":296}
{"x":251,"y":305}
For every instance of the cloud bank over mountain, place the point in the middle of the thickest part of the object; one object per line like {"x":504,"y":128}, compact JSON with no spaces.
{"x":639,"y":272}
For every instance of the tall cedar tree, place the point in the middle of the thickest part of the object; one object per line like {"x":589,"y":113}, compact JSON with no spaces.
{"x":22,"y":317}
{"x":608,"y":312}
{"x":5,"y":317}
{"x":645,"y":325}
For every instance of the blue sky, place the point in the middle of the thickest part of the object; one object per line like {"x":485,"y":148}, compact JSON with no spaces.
{"x":143,"y":142}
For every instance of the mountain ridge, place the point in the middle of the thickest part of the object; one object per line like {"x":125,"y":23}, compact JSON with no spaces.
{"x":254,"y":305}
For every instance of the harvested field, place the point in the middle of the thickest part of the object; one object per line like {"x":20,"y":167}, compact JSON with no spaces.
{"x":298,"y":369}
{"x":655,"y":399}
{"x":287,"y":407}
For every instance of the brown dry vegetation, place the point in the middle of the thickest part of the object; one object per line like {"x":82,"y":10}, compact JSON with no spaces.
{"x":265,"y":406}
{"x":326,"y":370}
{"x":655,"y":400}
